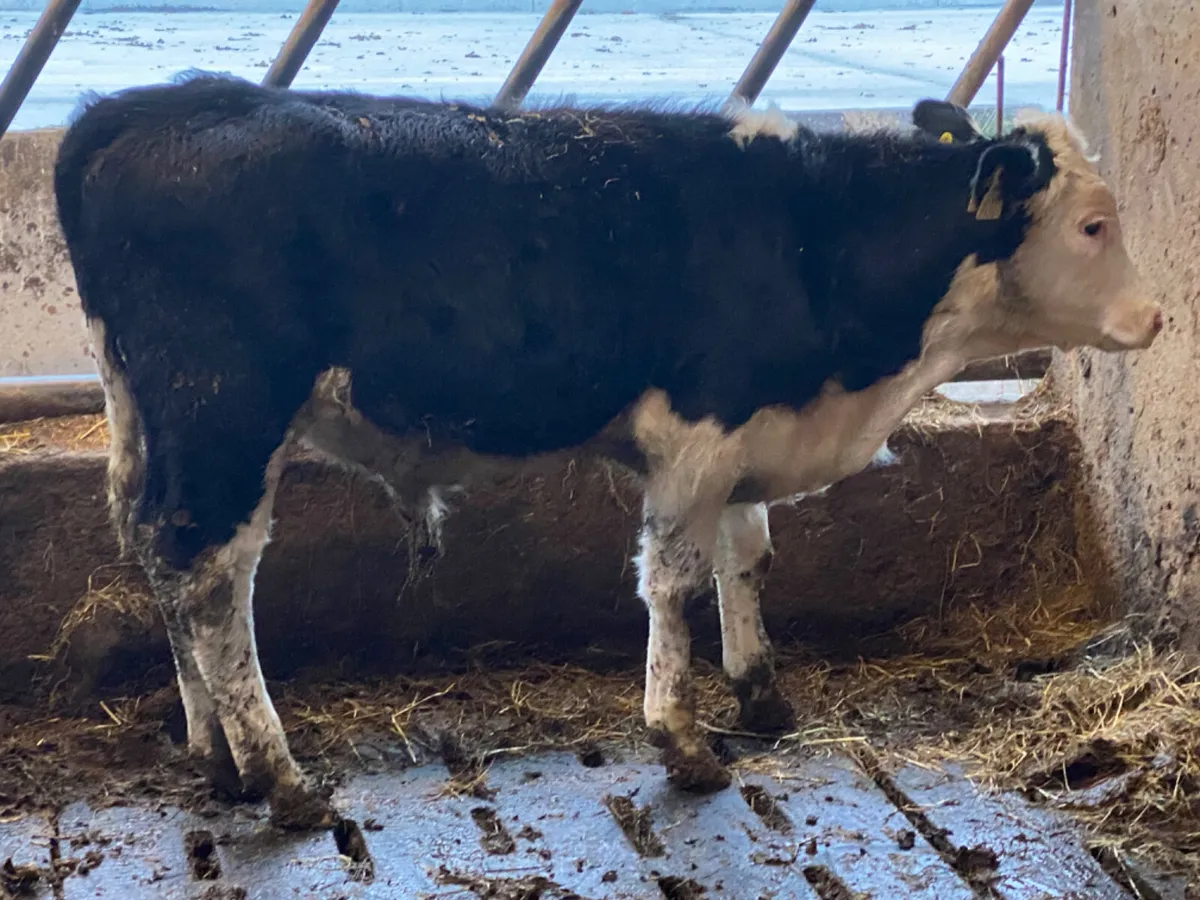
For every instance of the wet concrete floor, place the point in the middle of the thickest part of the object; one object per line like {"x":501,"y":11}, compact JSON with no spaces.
{"x":553,"y":826}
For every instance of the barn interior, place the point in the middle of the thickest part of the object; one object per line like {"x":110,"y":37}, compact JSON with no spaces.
{"x":990,"y":647}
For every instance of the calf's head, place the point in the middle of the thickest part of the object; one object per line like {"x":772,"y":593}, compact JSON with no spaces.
{"x":1070,"y":281}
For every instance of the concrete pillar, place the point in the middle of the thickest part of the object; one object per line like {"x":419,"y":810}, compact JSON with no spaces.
{"x":1135,"y":92}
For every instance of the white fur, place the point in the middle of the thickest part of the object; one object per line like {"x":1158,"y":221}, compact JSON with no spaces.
{"x":743,"y":541}
{"x":884,"y":457}
{"x":224,"y":651}
{"x":127,"y":451}
{"x":769,"y":123}
{"x":668,"y":571}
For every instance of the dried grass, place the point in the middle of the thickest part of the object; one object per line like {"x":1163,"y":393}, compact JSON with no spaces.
{"x":1113,"y":741}
{"x":64,"y":433}
{"x":117,"y":588}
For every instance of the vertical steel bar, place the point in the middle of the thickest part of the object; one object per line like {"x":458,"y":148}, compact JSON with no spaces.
{"x":32,"y":59}
{"x":975,"y":73}
{"x":770,"y":51}
{"x":305,"y":34}
{"x":536,"y":53}
{"x":1062,"y":56}
{"x":1000,"y":96}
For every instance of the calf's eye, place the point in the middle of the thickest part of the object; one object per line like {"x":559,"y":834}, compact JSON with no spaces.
{"x":1093,"y":229}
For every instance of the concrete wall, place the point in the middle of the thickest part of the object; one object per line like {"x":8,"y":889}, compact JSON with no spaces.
{"x":41,"y":328}
{"x":1136,"y":93}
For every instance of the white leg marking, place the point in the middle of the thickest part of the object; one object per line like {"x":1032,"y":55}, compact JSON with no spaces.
{"x":669,"y":570}
{"x":675,"y":558}
{"x":211,"y":607}
{"x":740,"y":566}
{"x":202,"y":722}
{"x":227,"y":654}
{"x":743,"y":553}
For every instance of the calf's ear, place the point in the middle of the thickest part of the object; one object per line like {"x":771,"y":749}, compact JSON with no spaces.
{"x":946,"y":121}
{"x":1008,"y":174}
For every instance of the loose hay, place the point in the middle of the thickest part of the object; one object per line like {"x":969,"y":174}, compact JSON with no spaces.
{"x":64,"y":433}
{"x":1113,"y":741}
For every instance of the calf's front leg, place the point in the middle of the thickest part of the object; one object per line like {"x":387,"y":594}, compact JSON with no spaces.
{"x":740,"y":565}
{"x":673,"y":562}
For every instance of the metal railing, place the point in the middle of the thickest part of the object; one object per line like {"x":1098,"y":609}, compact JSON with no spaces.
{"x":309,"y":27}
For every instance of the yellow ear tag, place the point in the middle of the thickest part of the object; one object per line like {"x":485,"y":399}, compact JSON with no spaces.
{"x":946,"y":138}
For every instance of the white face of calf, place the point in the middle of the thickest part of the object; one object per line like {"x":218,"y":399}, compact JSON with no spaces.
{"x":1072,"y":277}
{"x":1071,"y":282}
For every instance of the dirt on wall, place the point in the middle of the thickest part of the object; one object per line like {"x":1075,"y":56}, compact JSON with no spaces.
{"x":41,"y":327}
{"x":1135,"y":93}
{"x":976,"y":512}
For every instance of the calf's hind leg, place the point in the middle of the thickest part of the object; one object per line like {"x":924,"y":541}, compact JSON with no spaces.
{"x":206,"y":738}
{"x":207,"y":606}
{"x":740,"y":565}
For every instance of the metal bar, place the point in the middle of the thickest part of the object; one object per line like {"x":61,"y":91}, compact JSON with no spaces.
{"x":23,"y":399}
{"x":975,"y":73}
{"x":536,"y":53}
{"x":1000,"y":96}
{"x":1023,"y":366}
{"x":32,"y":59}
{"x":1063,"y":56}
{"x":770,"y":51}
{"x":305,"y":34}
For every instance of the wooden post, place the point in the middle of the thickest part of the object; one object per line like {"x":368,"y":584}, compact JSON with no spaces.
{"x":304,"y":36}
{"x":536,"y":53}
{"x":32,"y":59}
{"x":770,"y":51}
{"x":975,"y":73}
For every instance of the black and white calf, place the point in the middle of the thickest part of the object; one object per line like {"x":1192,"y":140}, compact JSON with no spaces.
{"x":739,"y":309}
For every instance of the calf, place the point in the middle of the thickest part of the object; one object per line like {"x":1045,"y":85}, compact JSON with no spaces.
{"x":739,"y":309}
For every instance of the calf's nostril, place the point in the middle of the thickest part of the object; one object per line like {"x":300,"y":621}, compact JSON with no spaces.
{"x":1158,"y":321}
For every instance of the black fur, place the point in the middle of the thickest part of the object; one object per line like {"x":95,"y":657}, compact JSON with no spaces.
{"x":938,"y":117}
{"x":510,"y":282}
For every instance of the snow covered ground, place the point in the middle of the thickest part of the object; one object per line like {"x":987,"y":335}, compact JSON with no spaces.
{"x":839,"y":60}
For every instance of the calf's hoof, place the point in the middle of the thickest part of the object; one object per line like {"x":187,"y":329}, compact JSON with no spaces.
{"x":764,"y":712}
{"x":302,"y":809}
{"x":218,"y":767}
{"x":691,"y":765}
{"x":223,"y":776}
{"x":762,"y":709}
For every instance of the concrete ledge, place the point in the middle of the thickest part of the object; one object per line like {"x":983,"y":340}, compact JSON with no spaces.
{"x":975,"y":509}
{"x":23,"y":399}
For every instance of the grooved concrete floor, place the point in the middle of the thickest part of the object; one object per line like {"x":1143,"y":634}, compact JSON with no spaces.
{"x":548,"y":826}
